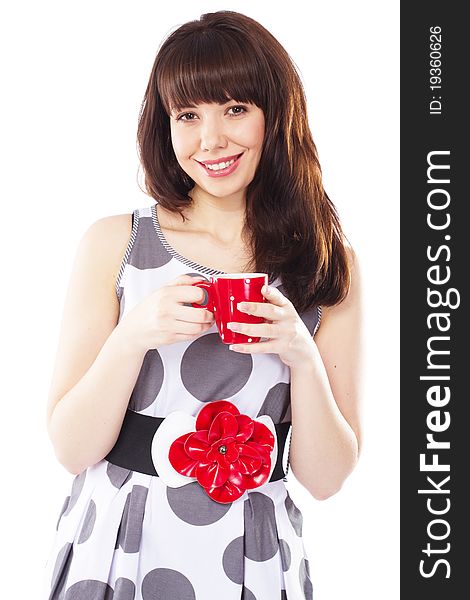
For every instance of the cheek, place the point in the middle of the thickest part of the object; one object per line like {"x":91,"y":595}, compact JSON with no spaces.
{"x":260,"y":134}
{"x":181,"y":144}
{"x":178,"y":147}
{"x":255,"y":134}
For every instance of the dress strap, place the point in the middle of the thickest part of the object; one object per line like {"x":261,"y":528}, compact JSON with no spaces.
{"x":125,"y":260}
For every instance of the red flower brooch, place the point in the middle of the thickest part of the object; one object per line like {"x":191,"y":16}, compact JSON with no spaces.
{"x":228,"y":453}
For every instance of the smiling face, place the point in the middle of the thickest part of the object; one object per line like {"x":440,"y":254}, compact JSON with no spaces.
{"x":219,"y":145}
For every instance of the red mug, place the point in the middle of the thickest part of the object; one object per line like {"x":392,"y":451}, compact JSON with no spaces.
{"x":224,"y":292}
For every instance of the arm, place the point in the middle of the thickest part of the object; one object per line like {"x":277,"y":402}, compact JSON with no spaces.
{"x":98,"y":359}
{"x":95,"y":371}
{"x":325,"y":398}
{"x":325,"y":382}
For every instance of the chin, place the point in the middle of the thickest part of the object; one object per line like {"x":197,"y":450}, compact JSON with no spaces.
{"x":221,"y":192}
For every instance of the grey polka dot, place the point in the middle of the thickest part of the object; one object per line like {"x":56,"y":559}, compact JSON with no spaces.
{"x":247,"y":594}
{"x":309,"y":317}
{"x":305,"y":581}
{"x":64,"y":508}
{"x":276,"y":403}
{"x":118,"y":476}
{"x":260,"y":527}
{"x":147,"y":253}
{"x":124,"y":589}
{"x":89,"y":589}
{"x":233,"y":561}
{"x":61,"y":570}
{"x":167,"y":583}
{"x":129,"y":534}
{"x":294,"y":514}
{"x":210,"y":371}
{"x":77,"y":487}
{"x":88,"y":523}
{"x":149,"y":381}
{"x":191,"y":504}
{"x":288,"y":415}
{"x":285,"y":554}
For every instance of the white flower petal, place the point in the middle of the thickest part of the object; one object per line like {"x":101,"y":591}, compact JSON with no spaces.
{"x":173,"y":426}
{"x":266,"y":420}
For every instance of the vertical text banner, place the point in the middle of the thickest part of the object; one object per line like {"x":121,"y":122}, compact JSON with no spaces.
{"x":434,"y":262}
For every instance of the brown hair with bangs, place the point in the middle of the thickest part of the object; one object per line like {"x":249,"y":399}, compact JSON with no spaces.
{"x":292,"y":225}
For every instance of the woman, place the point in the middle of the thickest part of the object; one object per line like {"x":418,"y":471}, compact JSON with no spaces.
{"x":229,"y":159}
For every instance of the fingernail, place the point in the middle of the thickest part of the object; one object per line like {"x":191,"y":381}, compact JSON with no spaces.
{"x":241,"y":306}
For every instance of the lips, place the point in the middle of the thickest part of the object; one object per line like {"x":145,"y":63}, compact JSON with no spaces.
{"x":219,"y":173}
{"x":219,"y":160}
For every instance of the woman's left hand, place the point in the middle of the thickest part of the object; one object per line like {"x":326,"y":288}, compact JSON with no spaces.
{"x":286,"y":332}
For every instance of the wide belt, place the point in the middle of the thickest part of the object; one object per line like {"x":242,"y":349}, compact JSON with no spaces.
{"x":132,"y":449}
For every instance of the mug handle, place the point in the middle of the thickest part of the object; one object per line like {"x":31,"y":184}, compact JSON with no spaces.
{"x":205,"y":285}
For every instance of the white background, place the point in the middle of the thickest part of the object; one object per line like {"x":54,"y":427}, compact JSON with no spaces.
{"x":73,"y":78}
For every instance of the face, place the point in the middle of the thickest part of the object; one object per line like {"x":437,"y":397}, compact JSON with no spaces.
{"x":219,"y":146}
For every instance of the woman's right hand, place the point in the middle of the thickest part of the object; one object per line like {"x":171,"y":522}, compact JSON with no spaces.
{"x":161,"y":317}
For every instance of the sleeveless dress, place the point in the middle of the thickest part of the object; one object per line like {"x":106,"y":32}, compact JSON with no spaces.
{"x":124,"y":535}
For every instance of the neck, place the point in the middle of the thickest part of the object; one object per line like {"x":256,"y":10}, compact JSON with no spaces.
{"x":222,"y":218}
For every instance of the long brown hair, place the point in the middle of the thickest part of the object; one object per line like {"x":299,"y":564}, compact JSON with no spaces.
{"x":293,"y":226}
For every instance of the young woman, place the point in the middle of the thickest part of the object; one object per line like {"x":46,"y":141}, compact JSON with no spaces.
{"x":229,"y":159}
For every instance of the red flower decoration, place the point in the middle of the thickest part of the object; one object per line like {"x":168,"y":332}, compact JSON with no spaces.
{"x":228,"y":453}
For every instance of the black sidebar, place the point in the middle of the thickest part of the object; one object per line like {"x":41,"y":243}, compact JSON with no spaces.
{"x":435,"y":345}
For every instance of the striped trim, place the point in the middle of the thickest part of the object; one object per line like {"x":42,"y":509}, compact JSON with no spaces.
{"x":319,"y":319}
{"x":288,"y":454}
{"x":127,"y":254}
{"x":173,"y":252}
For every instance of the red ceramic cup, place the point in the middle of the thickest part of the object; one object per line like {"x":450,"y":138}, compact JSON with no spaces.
{"x":224,"y":292}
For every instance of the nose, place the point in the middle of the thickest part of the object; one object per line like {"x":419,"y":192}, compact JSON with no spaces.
{"x":212,"y":134}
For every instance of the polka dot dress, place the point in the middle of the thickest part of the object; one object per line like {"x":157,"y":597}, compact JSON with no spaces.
{"x":125,"y":535}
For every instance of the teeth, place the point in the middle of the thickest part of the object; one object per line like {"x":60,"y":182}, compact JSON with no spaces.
{"x":222,"y":165}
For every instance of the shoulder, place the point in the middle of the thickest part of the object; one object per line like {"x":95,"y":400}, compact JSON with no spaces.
{"x":106,"y":240}
{"x":354,"y":263}
{"x":350,"y":308}
{"x":110,"y":229}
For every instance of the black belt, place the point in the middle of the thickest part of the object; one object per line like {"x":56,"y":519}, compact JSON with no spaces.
{"x":132,"y":449}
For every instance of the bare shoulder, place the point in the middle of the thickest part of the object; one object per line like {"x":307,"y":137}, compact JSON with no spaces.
{"x":352,"y":302}
{"x":107,"y":238}
{"x":345,"y":319}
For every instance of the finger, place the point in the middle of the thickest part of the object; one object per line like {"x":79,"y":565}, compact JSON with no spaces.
{"x":274,"y":295}
{"x":183,"y":336}
{"x":188,"y":293}
{"x":267,"y":347}
{"x":186,"y":279}
{"x":186,"y":328}
{"x":266,"y":330}
{"x":262,"y":309}
{"x":193,"y":315}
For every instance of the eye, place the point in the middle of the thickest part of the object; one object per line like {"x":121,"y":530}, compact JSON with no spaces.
{"x":186,"y":117}
{"x":239,"y":110}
